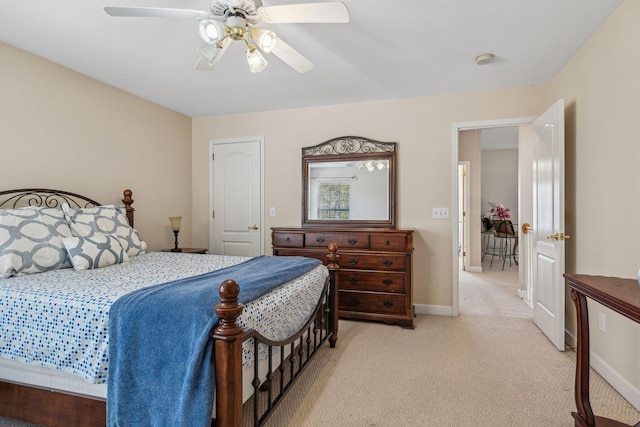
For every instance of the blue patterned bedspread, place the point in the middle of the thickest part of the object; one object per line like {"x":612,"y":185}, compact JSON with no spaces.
{"x":60,"y":319}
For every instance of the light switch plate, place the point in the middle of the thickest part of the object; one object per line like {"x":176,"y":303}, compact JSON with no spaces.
{"x":440,"y":213}
{"x":272,"y":212}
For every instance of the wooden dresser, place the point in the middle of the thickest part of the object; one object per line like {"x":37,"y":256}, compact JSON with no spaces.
{"x":375,"y":268}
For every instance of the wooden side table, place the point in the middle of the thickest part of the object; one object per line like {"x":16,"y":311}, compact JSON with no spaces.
{"x":187,"y":251}
{"x":621,"y":296}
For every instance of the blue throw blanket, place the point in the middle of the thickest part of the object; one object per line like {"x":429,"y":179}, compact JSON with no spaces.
{"x":160,"y":351}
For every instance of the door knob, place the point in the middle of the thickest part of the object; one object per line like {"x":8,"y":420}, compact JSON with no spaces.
{"x":564,"y":236}
{"x":253,"y":227}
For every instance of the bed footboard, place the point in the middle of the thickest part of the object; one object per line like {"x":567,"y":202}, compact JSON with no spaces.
{"x":229,"y":336}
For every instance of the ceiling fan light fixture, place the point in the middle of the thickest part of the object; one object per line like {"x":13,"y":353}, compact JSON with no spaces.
{"x":211,"y":31}
{"x":208,"y":53}
{"x":256,"y":61}
{"x":265,"y":39}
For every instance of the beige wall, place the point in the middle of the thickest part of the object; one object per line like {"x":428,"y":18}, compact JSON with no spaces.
{"x":422,"y":127}
{"x":601,"y":88}
{"x":62,"y":130}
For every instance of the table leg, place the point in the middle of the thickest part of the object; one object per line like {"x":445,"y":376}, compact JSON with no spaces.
{"x":584,"y":417}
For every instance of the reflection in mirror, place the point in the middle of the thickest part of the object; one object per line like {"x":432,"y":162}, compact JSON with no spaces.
{"x":354,"y":190}
{"x":349,"y":181}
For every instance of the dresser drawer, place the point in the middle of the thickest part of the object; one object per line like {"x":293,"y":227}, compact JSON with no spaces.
{"x":372,"y":302}
{"x":291,"y":240}
{"x":309,"y":253}
{"x":343,"y":240}
{"x":372,"y":281}
{"x":394,"y":242}
{"x":369,"y":261}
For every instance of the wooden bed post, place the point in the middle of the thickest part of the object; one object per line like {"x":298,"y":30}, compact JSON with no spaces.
{"x":227,"y":338}
{"x":333,"y":267}
{"x":128,"y":201}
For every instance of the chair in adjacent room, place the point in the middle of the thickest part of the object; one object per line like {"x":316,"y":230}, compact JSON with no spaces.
{"x":505,"y":242}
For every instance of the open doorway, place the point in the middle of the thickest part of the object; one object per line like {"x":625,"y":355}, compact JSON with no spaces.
{"x":503,"y":148}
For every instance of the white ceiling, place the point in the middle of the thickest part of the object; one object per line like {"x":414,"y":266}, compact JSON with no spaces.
{"x":389,"y":50}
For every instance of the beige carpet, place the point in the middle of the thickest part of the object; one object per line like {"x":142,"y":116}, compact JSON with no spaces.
{"x":488,"y":367}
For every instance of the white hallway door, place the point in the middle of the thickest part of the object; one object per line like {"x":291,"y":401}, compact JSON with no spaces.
{"x":236,"y":198}
{"x":548,"y":263}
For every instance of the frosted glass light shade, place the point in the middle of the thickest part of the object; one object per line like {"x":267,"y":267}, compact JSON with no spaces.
{"x":211,"y":31}
{"x":265,"y":39}
{"x":255,"y":60}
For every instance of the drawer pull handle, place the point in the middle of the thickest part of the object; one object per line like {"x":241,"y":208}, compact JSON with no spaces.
{"x":353,"y":301}
{"x":387,"y":282}
{"x":353,"y":241}
{"x":353,"y":261}
{"x":388,"y":303}
{"x":353,"y":280}
{"x":320,"y":239}
{"x":288,"y":239}
{"x":387,"y":262}
{"x":388,"y":243}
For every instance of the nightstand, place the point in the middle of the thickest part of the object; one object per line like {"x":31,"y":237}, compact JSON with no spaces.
{"x":188,"y":250}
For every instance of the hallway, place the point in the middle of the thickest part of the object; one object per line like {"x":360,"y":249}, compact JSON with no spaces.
{"x":493,"y":292}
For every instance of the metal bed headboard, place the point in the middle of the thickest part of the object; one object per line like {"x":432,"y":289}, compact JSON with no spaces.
{"x":43,"y":197}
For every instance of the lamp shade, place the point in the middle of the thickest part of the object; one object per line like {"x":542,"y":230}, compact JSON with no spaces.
{"x":176,"y":221}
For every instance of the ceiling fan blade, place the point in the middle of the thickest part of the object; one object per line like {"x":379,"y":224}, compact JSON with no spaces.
{"x":307,"y":13}
{"x":203,"y":65}
{"x":154,"y":12}
{"x":292,"y":57}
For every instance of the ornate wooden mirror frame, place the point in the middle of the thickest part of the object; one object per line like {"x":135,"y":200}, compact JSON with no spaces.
{"x":366,"y":167}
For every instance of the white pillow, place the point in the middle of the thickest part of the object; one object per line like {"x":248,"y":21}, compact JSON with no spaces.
{"x":31,"y":240}
{"x":100,"y":250}
{"x":107,"y":219}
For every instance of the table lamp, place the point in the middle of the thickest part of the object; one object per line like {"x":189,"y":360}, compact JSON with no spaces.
{"x":176,"y":221}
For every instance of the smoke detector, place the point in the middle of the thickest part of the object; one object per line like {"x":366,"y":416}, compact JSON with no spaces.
{"x":485,"y":58}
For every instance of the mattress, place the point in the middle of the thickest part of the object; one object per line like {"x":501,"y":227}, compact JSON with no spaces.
{"x":55,"y":324}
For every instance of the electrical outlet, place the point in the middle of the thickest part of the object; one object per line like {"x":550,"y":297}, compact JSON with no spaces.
{"x":440,"y":213}
{"x":602,"y":322}
{"x":272,"y":212}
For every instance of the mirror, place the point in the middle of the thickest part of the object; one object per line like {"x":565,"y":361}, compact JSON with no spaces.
{"x":349,"y":182}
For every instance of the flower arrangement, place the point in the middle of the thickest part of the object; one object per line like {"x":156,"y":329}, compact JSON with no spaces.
{"x":499,"y":212}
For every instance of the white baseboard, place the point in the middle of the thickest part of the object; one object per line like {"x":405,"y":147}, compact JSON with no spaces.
{"x":613,"y":377}
{"x":474,"y":269}
{"x":435,"y":310}
{"x":522,"y":294}
{"x":610,"y":375}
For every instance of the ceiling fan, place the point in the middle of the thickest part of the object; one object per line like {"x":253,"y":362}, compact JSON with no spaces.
{"x":236,"y":20}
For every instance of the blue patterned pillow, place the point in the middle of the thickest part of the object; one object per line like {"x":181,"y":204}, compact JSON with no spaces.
{"x":31,"y":240}
{"x":99,"y":250}
{"x":107,"y":219}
